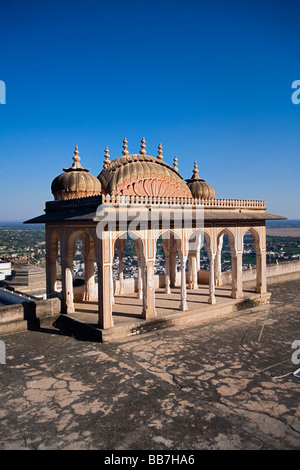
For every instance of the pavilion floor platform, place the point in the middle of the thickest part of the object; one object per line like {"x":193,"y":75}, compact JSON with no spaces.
{"x":127,"y":312}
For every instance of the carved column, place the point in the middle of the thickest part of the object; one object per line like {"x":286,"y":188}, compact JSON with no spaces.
{"x":193,"y":283}
{"x":51,"y":257}
{"x":69,"y":282}
{"x":89,"y":285}
{"x":261,"y":277}
{"x":237,"y":273}
{"x":104,"y":264}
{"x":144,"y":283}
{"x":211,"y":297}
{"x":183,"y":302}
{"x":121,"y":248}
{"x":139,"y":255}
{"x":148,"y":290}
{"x":167,"y":251}
{"x":218,"y":262}
{"x":173,"y":261}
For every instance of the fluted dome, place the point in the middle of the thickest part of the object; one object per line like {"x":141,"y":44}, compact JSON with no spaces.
{"x":141,"y":175}
{"x":198,"y":187}
{"x":75,"y":182}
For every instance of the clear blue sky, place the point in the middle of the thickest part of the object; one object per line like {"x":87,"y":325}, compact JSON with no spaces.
{"x":211,"y":81}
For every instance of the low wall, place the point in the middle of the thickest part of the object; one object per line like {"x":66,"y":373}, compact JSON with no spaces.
{"x":277,"y":272}
{"x":28,"y":315}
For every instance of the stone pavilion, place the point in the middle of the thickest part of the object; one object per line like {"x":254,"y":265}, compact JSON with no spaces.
{"x":146,"y":198}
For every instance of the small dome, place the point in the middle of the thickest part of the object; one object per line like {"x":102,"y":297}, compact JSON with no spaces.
{"x":198,"y":187}
{"x":75,"y":182}
{"x":141,"y":175}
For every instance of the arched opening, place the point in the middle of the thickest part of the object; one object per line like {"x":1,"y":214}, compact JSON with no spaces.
{"x":53,"y":265}
{"x":198,"y":259}
{"x":80,"y":269}
{"x":252,"y":259}
{"x":228,"y":264}
{"x":128,"y":275}
{"x":200,"y":266}
{"x":125,"y":263}
{"x":168,"y":271}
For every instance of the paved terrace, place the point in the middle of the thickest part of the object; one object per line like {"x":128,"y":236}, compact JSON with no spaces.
{"x":210,"y":386}
{"x":127,"y":310}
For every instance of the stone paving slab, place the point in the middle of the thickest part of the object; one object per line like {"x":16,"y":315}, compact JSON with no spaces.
{"x":127,"y":311}
{"x":207,"y":387}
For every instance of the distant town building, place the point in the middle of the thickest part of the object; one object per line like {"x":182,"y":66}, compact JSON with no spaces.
{"x":5,"y":269}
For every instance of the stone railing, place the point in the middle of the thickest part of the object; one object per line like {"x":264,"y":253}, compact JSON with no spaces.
{"x":89,"y":203}
{"x":208,"y":203}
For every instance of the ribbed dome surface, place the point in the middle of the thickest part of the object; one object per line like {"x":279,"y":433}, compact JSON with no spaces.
{"x":142,"y":175}
{"x":201,"y":190}
{"x":75,"y":182}
{"x":198,"y":187}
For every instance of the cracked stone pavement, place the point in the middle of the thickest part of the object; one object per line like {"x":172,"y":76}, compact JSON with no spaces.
{"x":210,"y":386}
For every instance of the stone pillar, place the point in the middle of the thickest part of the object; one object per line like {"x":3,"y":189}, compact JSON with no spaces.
{"x":167,"y":251}
{"x":51,"y":274}
{"x":167,"y":274}
{"x":198,"y":259}
{"x":193,"y":283}
{"x":261,"y":275}
{"x":212,"y":297}
{"x":69,"y":283}
{"x":173,"y":261}
{"x":189,"y":271}
{"x":139,"y":255}
{"x":51,"y":257}
{"x":121,"y":248}
{"x":140,"y":281}
{"x":144,"y":284}
{"x":218,"y":262}
{"x":89,"y":285}
{"x":151,"y":312}
{"x":149,"y":291}
{"x":104,"y":264}
{"x":183,"y":302}
{"x":237,"y":273}
{"x":89,"y":255}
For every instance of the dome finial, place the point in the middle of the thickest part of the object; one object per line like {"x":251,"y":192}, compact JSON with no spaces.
{"x":125,"y":151}
{"x":107,"y":161}
{"x":175,"y":163}
{"x":195,"y":172}
{"x":143,"y":146}
{"x":76,"y":157}
{"x":160,"y":155}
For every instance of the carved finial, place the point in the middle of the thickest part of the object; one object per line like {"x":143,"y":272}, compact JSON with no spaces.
{"x":143,"y":146}
{"x":107,"y":161}
{"x":76,"y":157}
{"x":125,"y":151}
{"x":175,"y":163}
{"x":195,"y":171}
{"x":160,"y":155}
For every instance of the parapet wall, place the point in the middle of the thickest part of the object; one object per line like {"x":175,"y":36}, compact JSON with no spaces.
{"x":277,"y":272}
{"x":28,"y":315}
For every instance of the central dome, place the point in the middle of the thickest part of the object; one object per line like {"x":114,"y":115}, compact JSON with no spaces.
{"x":142,"y":175}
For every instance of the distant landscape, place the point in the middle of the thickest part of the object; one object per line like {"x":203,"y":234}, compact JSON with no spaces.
{"x":283,"y":228}
{"x":21,"y":243}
